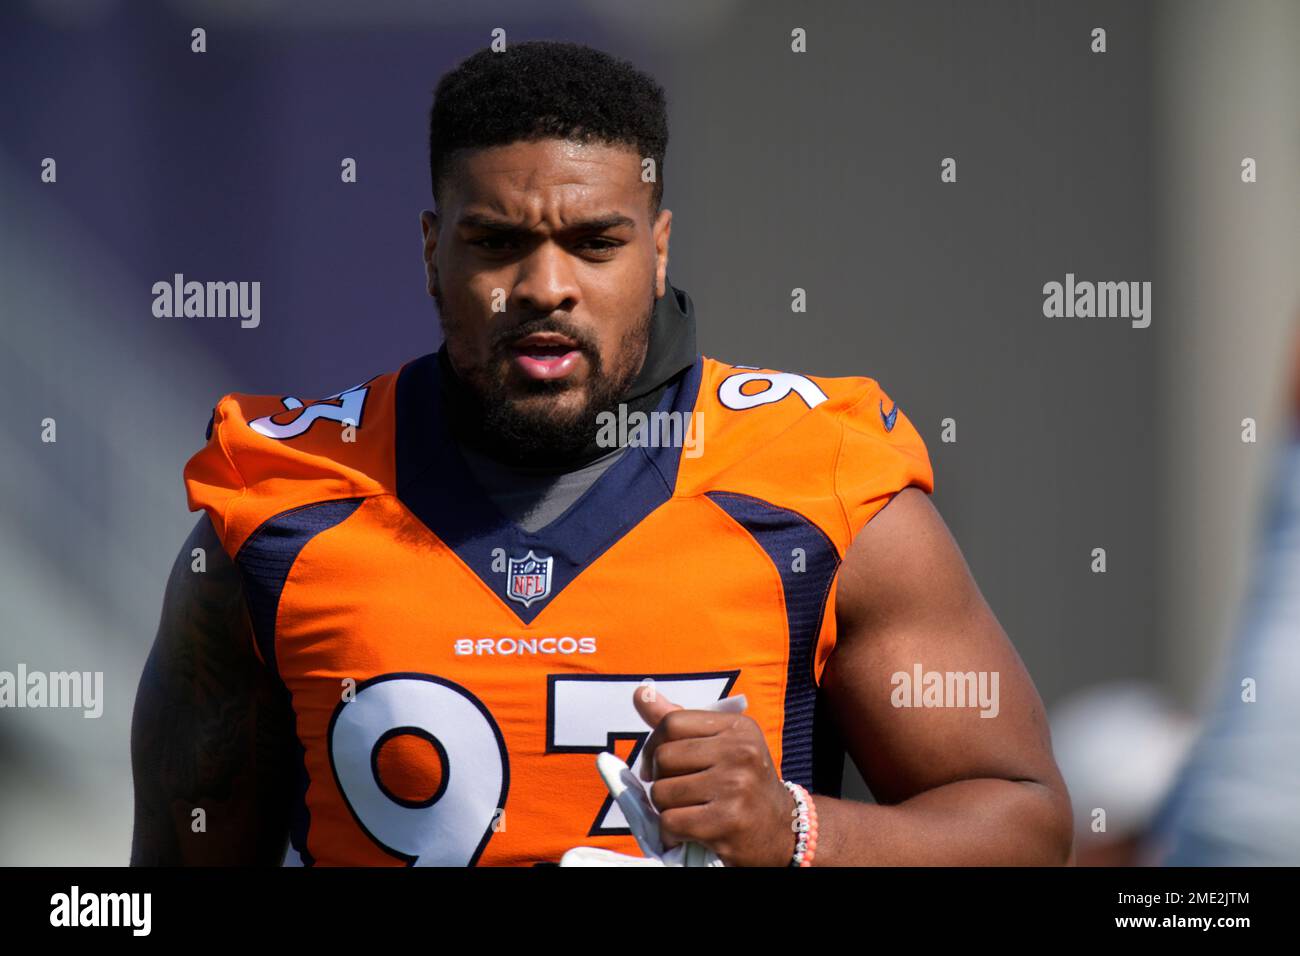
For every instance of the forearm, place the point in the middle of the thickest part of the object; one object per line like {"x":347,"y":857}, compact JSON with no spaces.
{"x":983,"y":822}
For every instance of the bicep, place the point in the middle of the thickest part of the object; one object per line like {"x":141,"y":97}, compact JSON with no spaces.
{"x":906,"y":604}
{"x":211,"y":727}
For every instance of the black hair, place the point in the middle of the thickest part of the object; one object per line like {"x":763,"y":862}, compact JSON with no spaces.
{"x":540,"y":89}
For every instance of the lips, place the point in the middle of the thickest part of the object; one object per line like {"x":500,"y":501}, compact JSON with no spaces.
{"x":545,"y":355}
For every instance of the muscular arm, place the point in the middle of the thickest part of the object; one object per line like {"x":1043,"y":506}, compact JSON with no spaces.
{"x":212,"y":729}
{"x":954,"y":788}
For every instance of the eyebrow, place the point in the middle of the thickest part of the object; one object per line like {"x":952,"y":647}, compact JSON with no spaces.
{"x":490,"y":223}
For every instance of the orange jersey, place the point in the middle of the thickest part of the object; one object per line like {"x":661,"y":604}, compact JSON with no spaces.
{"x":453,"y":676}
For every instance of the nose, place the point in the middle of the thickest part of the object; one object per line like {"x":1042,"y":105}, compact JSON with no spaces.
{"x":546,"y":281}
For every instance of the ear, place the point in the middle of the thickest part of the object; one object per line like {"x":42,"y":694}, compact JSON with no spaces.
{"x":663,"y":228}
{"x":429,"y":229}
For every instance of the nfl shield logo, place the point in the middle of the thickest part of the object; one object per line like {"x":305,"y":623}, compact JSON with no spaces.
{"x":528,"y":578}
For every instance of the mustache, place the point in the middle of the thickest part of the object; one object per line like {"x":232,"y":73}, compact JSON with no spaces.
{"x":502,"y":340}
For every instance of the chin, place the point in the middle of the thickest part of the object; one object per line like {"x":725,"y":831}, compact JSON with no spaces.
{"x":557,"y":400}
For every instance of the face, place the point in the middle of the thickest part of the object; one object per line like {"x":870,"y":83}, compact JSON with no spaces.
{"x":546,"y":263}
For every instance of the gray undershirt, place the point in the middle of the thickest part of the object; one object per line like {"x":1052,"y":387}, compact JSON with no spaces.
{"x":532,"y":500}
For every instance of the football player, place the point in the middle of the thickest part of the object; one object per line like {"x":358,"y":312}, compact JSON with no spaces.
{"x":427,"y":602}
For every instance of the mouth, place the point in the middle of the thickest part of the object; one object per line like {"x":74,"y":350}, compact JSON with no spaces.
{"x":545,"y":356}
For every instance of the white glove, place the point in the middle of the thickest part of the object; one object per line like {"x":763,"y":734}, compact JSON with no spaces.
{"x":633,"y":798}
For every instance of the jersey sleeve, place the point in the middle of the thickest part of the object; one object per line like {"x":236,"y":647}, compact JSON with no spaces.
{"x":881,"y":453}
{"x":265,"y":456}
{"x":212,"y":481}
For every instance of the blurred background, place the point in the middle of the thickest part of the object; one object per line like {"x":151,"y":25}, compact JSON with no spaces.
{"x":816,"y":170}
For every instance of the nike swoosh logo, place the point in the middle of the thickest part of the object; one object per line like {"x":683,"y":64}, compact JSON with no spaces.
{"x":890,"y":418}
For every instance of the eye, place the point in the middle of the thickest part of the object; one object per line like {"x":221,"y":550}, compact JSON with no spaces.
{"x":599,"y":246}
{"x":493,"y":243}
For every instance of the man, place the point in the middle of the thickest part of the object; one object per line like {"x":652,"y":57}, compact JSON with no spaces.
{"x":430,"y":600}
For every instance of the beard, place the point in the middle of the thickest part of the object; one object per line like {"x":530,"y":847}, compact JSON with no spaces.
{"x":514,"y":422}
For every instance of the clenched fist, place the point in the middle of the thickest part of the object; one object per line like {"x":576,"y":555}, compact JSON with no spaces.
{"x":714,"y":783}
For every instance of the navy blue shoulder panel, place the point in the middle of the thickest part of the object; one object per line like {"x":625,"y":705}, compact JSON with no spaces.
{"x":264,"y":561}
{"x":265,"y":558}
{"x":807,"y":584}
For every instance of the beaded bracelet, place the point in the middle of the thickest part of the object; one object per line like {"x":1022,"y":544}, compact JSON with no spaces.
{"x":805,"y":826}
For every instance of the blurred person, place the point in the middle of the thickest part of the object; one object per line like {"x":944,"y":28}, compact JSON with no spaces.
{"x":1119,"y":746}
{"x":430,"y":600}
{"x":1237,"y":799}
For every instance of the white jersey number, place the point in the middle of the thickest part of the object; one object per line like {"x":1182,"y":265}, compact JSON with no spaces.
{"x":780,"y":384}
{"x":585,"y":714}
{"x":347,"y":413}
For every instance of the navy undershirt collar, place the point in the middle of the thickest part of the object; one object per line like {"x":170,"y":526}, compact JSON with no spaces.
{"x":437,"y":486}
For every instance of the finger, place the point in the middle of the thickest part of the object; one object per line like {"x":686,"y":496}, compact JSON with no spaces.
{"x":691,"y":790}
{"x":651,"y":704}
{"x":679,"y":824}
{"x":675,"y":758}
{"x":681,"y":725}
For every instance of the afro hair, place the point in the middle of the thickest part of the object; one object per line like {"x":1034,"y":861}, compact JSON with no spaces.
{"x":542,"y":89}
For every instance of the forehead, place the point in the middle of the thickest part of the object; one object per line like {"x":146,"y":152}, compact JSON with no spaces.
{"x":536,"y":179}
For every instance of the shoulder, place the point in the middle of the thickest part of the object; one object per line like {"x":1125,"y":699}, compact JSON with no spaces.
{"x":822,"y":443}
{"x":781,"y":399}
{"x":266,"y":454}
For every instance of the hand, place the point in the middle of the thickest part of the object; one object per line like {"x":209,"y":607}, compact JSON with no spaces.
{"x":715,"y":783}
